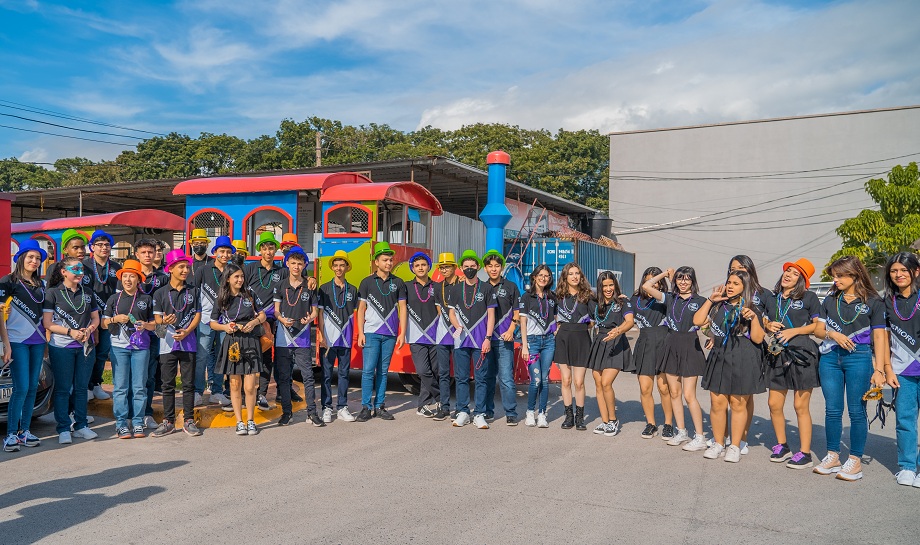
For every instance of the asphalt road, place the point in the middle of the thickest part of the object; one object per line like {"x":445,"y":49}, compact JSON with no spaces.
{"x":419,"y":481}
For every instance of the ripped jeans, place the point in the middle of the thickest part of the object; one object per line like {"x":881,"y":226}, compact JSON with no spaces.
{"x":545,"y":346}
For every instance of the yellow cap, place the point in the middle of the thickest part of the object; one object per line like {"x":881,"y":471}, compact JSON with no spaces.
{"x":446,"y":258}
{"x":199,"y":235}
{"x":240,"y":246}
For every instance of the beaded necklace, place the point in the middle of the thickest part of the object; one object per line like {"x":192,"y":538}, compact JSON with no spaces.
{"x":574,"y":305}
{"x":735,"y":313}
{"x":105,"y":275}
{"x":842,"y":319}
{"x":239,"y":308}
{"x":133,"y":300}
{"x":780,"y":313}
{"x":894,"y":303}
{"x":70,"y":302}
{"x":152,"y":288}
{"x":651,"y":301}
{"x":335,"y":297}
{"x":543,"y":314}
{"x":679,"y":319}
{"x":42,"y":298}
{"x":173,"y":305}
{"x":597,"y":319}
{"x":269,"y":276}
{"x":473,"y":299}
{"x":390,"y":289}
{"x":419,"y":295}
{"x":296,"y":298}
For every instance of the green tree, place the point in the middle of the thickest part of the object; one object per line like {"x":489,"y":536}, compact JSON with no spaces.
{"x":16,"y":176}
{"x":82,"y":171}
{"x":874,"y":235}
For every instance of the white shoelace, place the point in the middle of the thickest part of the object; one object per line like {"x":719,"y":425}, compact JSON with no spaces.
{"x":848,"y":466}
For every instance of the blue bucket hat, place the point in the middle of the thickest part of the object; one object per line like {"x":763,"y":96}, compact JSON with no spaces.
{"x":30,"y":245}
{"x":419,"y":255}
{"x":99,"y":233}
{"x":297,"y":250}
{"x":224,"y":242}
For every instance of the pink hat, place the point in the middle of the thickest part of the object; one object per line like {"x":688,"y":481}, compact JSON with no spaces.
{"x":176,"y":256}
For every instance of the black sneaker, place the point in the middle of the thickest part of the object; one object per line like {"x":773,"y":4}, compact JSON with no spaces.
{"x":295,"y":397}
{"x":651,"y":430}
{"x":442,"y":414}
{"x":165,"y":428}
{"x":364,"y":415}
{"x":800,"y":461}
{"x":262,"y":404}
{"x":284,"y":420}
{"x":667,"y":432}
{"x":228,"y":408}
{"x":511,"y":420}
{"x":490,"y":417}
{"x":780,"y":453}
{"x":425,"y":411}
{"x":316,"y":420}
{"x":383,"y":414}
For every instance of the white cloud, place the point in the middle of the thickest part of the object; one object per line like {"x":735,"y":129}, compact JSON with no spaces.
{"x":37,"y":155}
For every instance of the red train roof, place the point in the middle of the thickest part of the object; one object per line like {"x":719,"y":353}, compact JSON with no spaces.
{"x":409,"y":193}
{"x":144,"y":218}
{"x":254,"y":184}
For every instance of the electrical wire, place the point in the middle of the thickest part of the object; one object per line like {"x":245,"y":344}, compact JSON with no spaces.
{"x":51,"y":113}
{"x":66,"y":136}
{"x":71,"y":128}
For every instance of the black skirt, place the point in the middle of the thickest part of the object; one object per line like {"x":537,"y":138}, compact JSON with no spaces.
{"x":796,"y":367}
{"x":648,"y":347}
{"x":249,"y":355}
{"x":573,"y":345}
{"x":613,"y":354}
{"x":681,"y":355}
{"x":735,"y":368}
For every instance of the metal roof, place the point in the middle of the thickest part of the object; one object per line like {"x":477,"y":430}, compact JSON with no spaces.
{"x":461,"y":189}
{"x":409,"y":193}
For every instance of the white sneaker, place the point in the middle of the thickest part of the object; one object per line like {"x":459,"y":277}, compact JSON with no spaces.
{"x":733,"y":454}
{"x":220,"y":398}
{"x":744,"y":449}
{"x":327,"y":415}
{"x":90,"y":419}
{"x":64,"y":438}
{"x":680,"y":436}
{"x":917,"y":482}
{"x":150,"y":423}
{"x":345,"y":415}
{"x":714,"y":451}
{"x":698,"y":443}
{"x":541,"y":421}
{"x":89,"y":395}
{"x":480,"y":422}
{"x":462,"y":419}
{"x":906,"y":477}
{"x":530,"y":419}
{"x":99,"y":393}
{"x":85,"y":433}
{"x":197,"y":399}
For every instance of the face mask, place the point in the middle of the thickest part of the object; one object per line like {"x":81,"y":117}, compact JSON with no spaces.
{"x":470,"y":272}
{"x":199,"y":250}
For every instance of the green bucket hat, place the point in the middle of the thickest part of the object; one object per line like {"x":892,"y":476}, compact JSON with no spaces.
{"x":265,"y":237}
{"x":71,"y":234}
{"x":469,"y":254}
{"x":382,"y":248}
{"x":496,"y":253}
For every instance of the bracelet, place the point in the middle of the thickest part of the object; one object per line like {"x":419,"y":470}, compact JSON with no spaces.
{"x":68,"y":332}
{"x":880,"y":371}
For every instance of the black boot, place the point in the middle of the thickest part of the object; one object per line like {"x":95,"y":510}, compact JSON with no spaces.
{"x":569,"y":421}
{"x":580,"y":418}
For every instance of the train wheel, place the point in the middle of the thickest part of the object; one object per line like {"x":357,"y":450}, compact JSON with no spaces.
{"x":412,"y":383}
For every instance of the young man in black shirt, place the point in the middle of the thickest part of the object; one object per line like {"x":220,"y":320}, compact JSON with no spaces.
{"x":99,"y":278}
{"x":335,"y":330}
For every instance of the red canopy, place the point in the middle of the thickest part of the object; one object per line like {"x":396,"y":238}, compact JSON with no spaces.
{"x":255,"y":184}
{"x":144,"y":218}
{"x":409,"y":193}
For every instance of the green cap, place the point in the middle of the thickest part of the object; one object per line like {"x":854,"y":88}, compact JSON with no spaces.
{"x":382,"y":248}
{"x":496,"y":253}
{"x":267,"y":236}
{"x":469,"y":254}
{"x":71,"y":234}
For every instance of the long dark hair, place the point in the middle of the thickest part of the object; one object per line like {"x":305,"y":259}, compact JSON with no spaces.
{"x":57,"y":274}
{"x":685,"y":271}
{"x":851,"y":266}
{"x":911,"y":263}
{"x":584,"y":289}
{"x":224,"y":295}
{"x":617,"y":292}
{"x":798,"y":291}
{"x":747,"y":296}
{"x":19,"y":272}
{"x":548,"y":290}
{"x":661,"y":286}
{"x":748,"y":265}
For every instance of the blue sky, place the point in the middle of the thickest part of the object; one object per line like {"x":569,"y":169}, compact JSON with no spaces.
{"x":241,"y":67}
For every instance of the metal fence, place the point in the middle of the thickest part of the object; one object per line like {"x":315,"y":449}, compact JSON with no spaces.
{"x":453,"y":233}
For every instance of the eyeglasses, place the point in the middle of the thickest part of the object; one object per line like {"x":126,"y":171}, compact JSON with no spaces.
{"x":544,"y":276}
{"x":102,"y":245}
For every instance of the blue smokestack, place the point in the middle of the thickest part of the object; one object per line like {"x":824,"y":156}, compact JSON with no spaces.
{"x":496,"y":215}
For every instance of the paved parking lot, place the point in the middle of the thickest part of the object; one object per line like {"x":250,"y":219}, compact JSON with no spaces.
{"x":416,"y":480}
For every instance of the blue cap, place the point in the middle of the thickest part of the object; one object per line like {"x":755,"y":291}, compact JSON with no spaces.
{"x":419,"y":255}
{"x":99,"y":233}
{"x":297,"y":250}
{"x":30,"y":245}
{"x":224,"y":242}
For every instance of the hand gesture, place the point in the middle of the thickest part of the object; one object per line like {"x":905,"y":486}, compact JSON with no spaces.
{"x":718,"y":294}
{"x":169,"y":319}
{"x":773,"y":327}
{"x":748,"y":314}
{"x":180,"y":334}
{"x":670,"y":274}
{"x":232,"y":327}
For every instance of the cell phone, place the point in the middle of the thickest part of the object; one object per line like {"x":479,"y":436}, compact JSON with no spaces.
{"x":132,"y":319}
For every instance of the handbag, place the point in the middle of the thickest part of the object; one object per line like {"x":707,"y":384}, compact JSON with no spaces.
{"x":266,"y":340}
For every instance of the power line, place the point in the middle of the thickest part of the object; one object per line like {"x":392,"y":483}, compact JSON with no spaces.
{"x":50,"y":113}
{"x":71,"y":128}
{"x":66,"y":136}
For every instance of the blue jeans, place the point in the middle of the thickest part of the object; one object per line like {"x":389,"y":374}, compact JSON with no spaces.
{"x":906,"y":408}
{"x":208,"y":347}
{"x":501,"y":366}
{"x":464,"y":360}
{"x":378,"y":350}
{"x":343,"y":356}
{"x":71,"y":372}
{"x":129,"y":380}
{"x":846,"y":374}
{"x":102,"y":353}
{"x":25,"y":368}
{"x":545,"y":346}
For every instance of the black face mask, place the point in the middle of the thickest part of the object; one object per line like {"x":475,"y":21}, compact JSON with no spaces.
{"x":470,"y":272}
{"x":199,"y":250}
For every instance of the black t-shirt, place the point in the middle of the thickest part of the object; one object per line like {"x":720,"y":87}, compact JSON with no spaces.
{"x":101,"y":280}
{"x":295,"y":303}
{"x":648,"y":312}
{"x":69,"y":308}
{"x":338,"y":308}
{"x":240,"y":310}
{"x":760,"y":298}
{"x":207,"y":280}
{"x":262,"y":283}
{"x":140,"y":306}
{"x":857,"y":321}
{"x":424,"y":318}
{"x":154,"y":281}
{"x":472,"y":304}
{"x":540,"y":313}
{"x":442,"y":293}
{"x":507,"y":298}
{"x":25,"y":322}
{"x":904,"y":333}
{"x":572,"y":311}
{"x":609,"y":316}
{"x":680,"y":312}
{"x":185,"y":304}
{"x":792,"y":312}
{"x":382,"y":298}
{"x":196,"y":264}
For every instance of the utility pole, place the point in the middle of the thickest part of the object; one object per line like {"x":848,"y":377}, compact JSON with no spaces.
{"x":319,"y":149}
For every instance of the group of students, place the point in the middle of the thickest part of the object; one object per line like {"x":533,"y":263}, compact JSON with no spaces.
{"x":227,"y":326}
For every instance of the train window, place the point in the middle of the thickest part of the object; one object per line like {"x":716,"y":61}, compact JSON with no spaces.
{"x":266,"y":219}
{"x":348,"y":220}
{"x":122,"y":250}
{"x":418,"y":222}
{"x":215,"y":222}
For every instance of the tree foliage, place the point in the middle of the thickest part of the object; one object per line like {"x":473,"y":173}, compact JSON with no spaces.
{"x":874,"y":235}
{"x":570,"y":164}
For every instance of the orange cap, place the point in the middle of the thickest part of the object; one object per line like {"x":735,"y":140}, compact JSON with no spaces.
{"x":288,"y":239}
{"x":805,"y":268}
{"x":131,"y":266}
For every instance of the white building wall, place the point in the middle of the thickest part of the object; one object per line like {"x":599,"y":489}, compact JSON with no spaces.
{"x":740,"y":181}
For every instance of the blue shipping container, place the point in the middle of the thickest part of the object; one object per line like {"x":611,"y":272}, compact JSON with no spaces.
{"x":555,"y":253}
